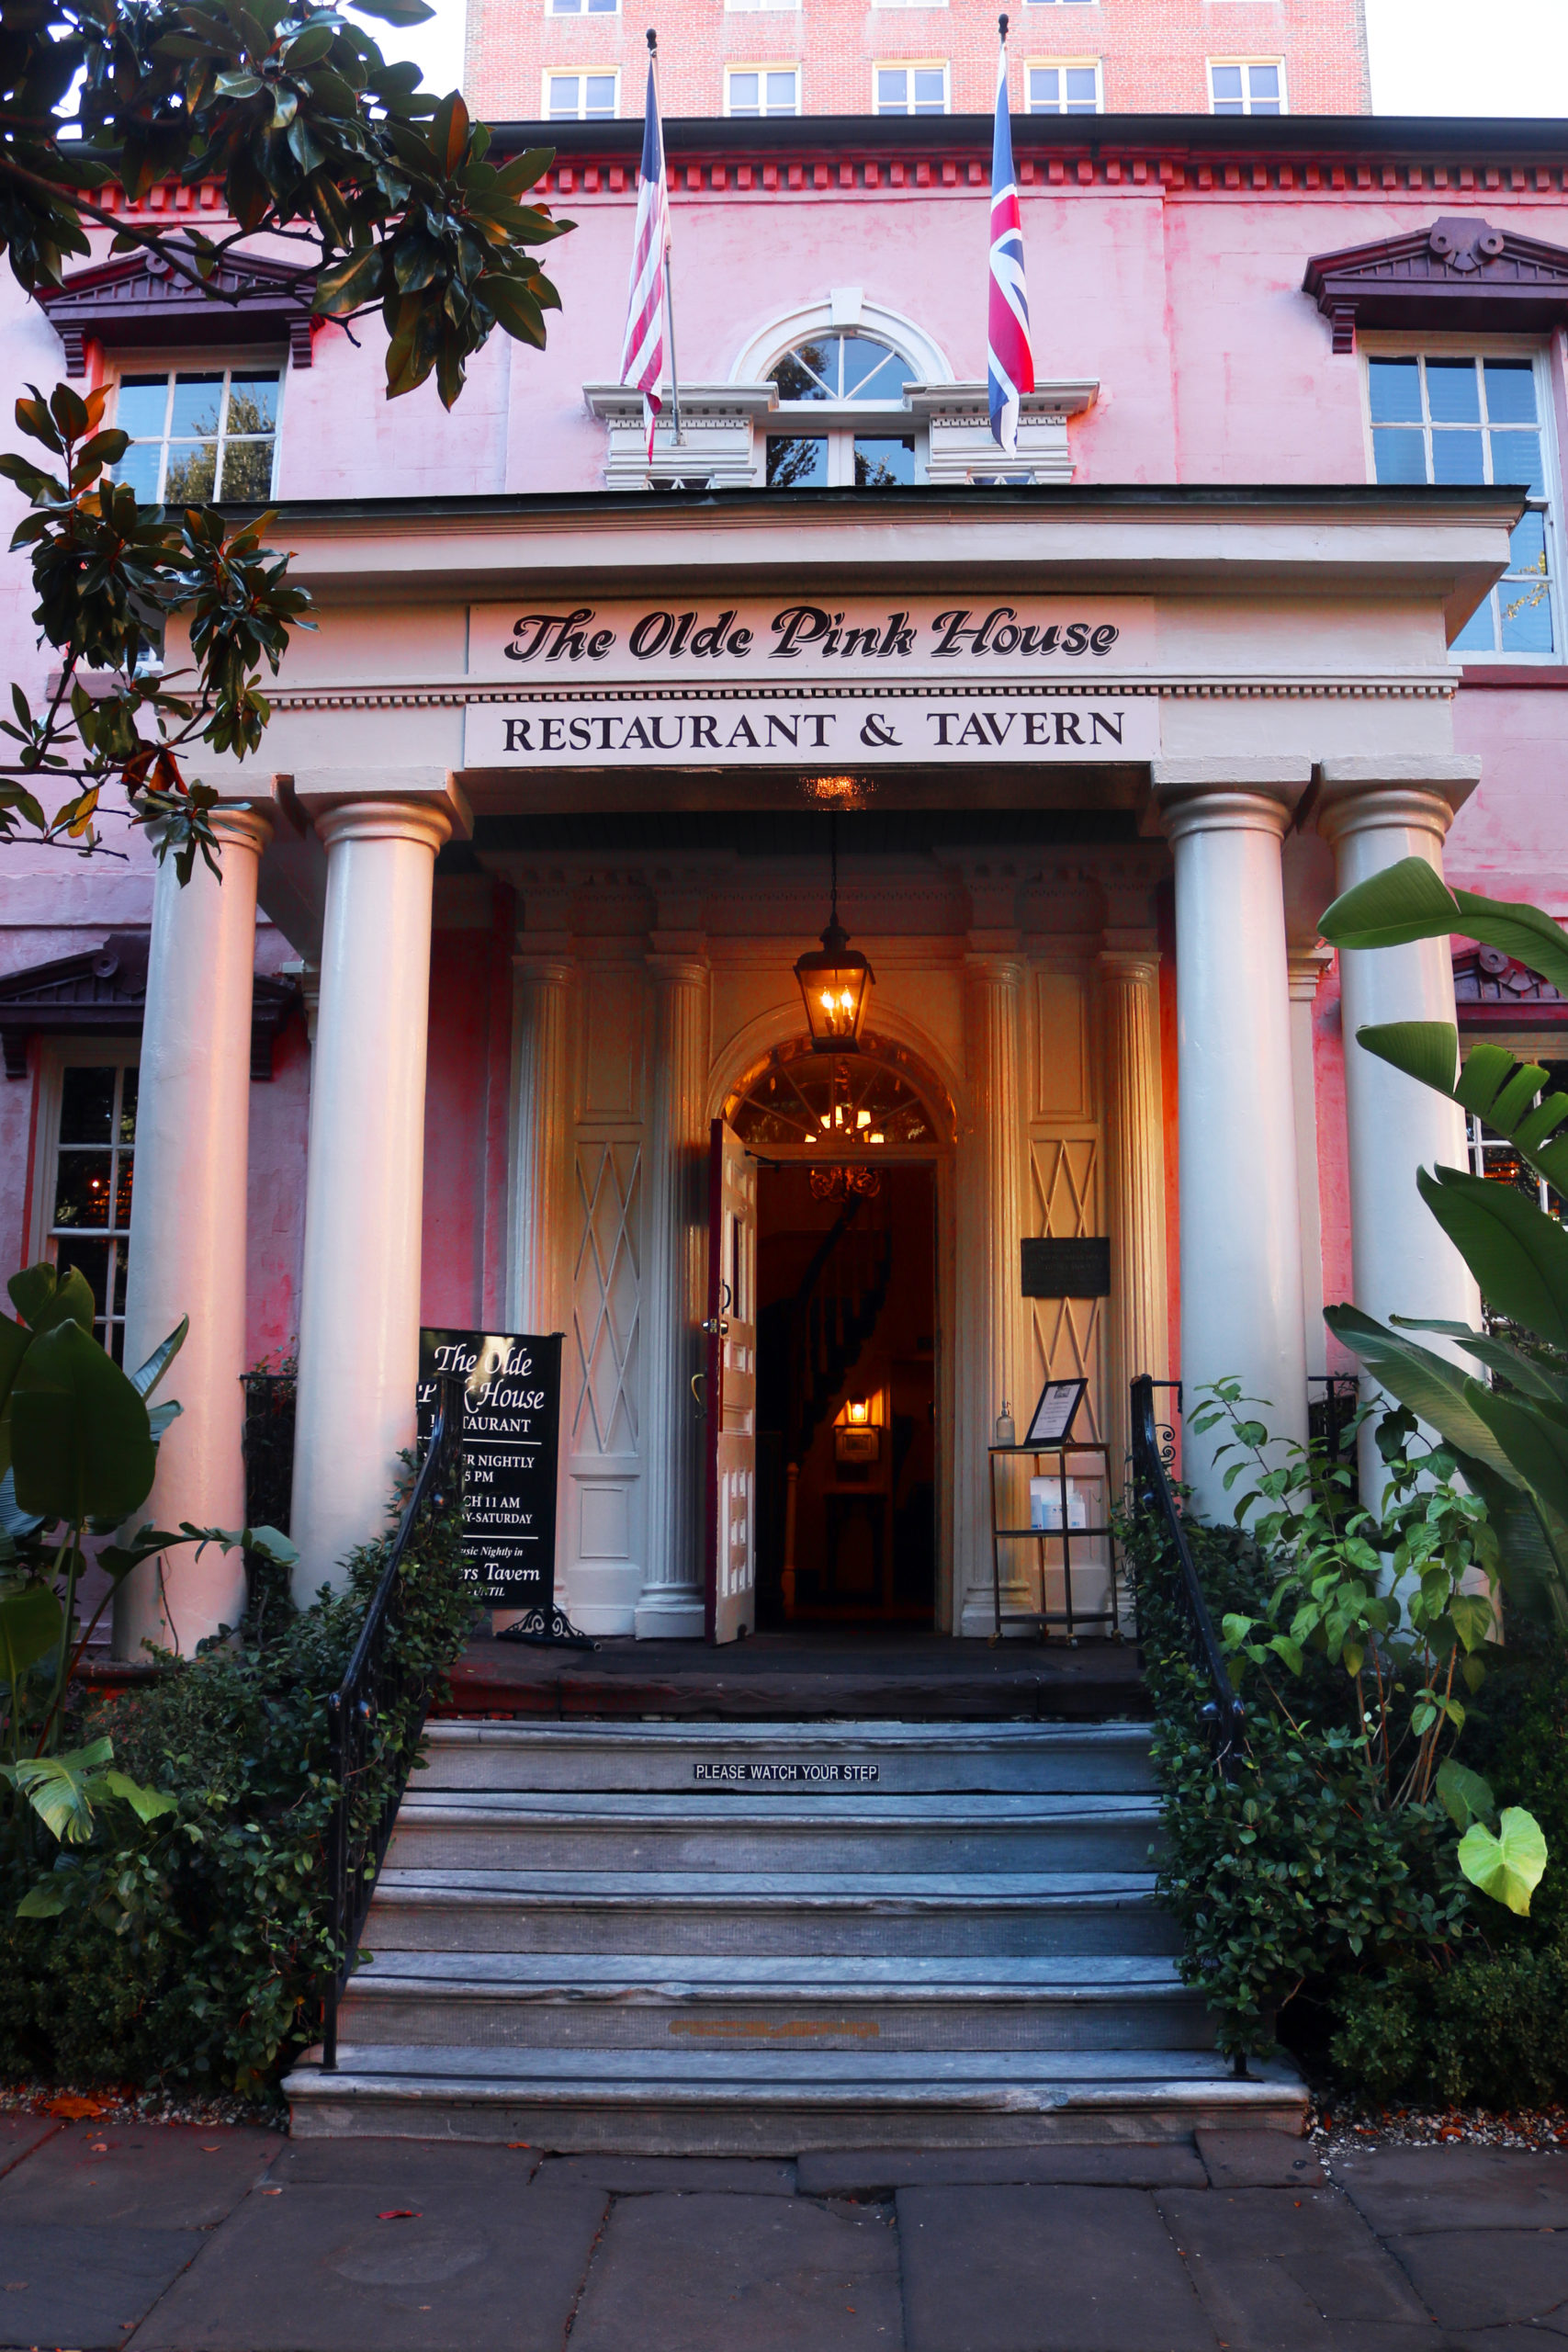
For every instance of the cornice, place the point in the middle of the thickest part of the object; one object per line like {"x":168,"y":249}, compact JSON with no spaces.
{"x":457,"y":694}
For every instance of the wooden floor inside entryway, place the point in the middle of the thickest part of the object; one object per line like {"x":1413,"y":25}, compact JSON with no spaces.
{"x":890,"y":1675}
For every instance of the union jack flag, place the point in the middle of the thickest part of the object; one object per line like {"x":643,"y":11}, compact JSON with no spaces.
{"x":642,"y":354}
{"x":1010,"y":356}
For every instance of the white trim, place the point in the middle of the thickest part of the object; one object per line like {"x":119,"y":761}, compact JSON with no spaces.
{"x":928,"y":361}
{"x":911,"y":65}
{"x":198,"y":360}
{"x":761,"y":113}
{"x":57,"y":1055}
{"x":1063,"y":66}
{"x":578,"y":73}
{"x":1246,"y":63}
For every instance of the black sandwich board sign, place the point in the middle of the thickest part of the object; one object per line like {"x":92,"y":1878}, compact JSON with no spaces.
{"x":511,"y":1442}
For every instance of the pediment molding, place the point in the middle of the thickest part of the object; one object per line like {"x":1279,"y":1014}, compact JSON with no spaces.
{"x":102,"y":992}
{"x":1461,"y":273}
{"x":138,"y":301}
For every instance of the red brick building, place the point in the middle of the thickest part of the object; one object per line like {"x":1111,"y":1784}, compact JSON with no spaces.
{"x":577,"y":60}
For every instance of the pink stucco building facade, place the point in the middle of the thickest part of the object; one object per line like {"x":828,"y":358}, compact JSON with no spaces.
{"x":1229,"y":633}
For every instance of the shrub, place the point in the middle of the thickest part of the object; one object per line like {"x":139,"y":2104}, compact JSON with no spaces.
{"x":193,"y":1949}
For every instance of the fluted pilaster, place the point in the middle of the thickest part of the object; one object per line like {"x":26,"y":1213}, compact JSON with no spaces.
{"x":671,"y":1600}
{"x":541,"y":1115}
{"x":1134,"y":1179}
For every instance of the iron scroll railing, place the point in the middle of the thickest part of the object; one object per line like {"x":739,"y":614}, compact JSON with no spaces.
{"x":374,"y":1684}
{"x":1223,"y":1711}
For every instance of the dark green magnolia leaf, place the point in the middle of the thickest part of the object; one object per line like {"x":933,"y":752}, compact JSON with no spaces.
{"x":395,"y":12}
{"x":1517,"y":1254}
{"x":351,"y":282}
{"x":80,"y":1441}
{"x":310,"y":47}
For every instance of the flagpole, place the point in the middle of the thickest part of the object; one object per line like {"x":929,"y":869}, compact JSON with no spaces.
{"x":668,"y":289}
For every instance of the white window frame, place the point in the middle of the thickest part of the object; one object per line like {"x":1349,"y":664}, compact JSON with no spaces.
{"x":1386,"y":343}
{"x":554,"y":8}
{"x":911,"y":65}
{"x":58,"y":1055}
{"x":582,"y":74}
{"x":908,"y":4}
{"x":1063,"y":66}
{"x":187,"y":360}
{"x":1061,"y":4}
{"x":1246,"y":64}
{"x":771,"y":65}
{"x":768,"y":7}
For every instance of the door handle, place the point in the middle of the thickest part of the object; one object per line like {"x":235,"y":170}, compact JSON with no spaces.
{"x":699,"y":1380}
{"x":716,"y":1327}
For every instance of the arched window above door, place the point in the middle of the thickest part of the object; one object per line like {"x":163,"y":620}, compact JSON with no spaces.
{"x":837,"y":1106}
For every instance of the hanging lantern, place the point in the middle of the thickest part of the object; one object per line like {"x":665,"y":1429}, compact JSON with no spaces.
{"x":833,"y":982}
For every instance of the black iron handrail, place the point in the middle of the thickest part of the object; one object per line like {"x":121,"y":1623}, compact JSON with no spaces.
{"x":1222,"y":1713}
{"x":371,"y":1684}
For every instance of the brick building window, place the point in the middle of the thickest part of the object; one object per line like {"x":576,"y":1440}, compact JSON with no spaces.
{"x":582,"y":97}
{"x":89,"y":1114}
{"x":762,"y":90}
{"x":582,"y":8}
{"x":1065,"y":87}
{"x":1452,"y":417}
{"x":1247,"y":85}
{"x":199,"y":432}
{"x":843,"y":372}
{"x":752,"y":6}
{"x":910,"y":89}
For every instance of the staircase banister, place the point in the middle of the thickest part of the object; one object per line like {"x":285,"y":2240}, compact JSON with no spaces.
{"x":1225,"y":1710}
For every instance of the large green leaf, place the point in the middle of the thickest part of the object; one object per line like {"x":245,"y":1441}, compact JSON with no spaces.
{"x":44,"y":1296}
{"x":1408,"y":901}
{"x":1426,"y":1050}
{"x":146,"y":1376}
{"x":1517,"y":1254}
{"x":1508,"y":1866}
{"x":1518,"y":1368}
{"x":1534,"y":1439}
{"x":14,"y":1340}
{"x":31,"y":1626}
{"x":80,"y":1434}
{"x":1433,"y":1387}
{"x":1463,"y":1795}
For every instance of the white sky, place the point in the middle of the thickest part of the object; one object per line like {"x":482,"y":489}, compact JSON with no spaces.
{"x":1426,"y":55}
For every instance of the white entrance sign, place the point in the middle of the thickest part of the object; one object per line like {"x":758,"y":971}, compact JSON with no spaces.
{"x":574,"y":643}
{"x":923,"y":727}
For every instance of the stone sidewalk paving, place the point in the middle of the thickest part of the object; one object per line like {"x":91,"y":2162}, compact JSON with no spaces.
{"x":172,"y":2238}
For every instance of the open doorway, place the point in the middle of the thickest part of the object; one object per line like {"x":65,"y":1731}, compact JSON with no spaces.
{"x":846,"y":1394}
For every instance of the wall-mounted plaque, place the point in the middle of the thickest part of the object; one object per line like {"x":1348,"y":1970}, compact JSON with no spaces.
{"x":1080,"y":1269}
{"x":511,"y":1432}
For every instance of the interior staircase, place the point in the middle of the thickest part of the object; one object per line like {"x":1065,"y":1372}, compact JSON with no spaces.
{"x":721,"y":1938}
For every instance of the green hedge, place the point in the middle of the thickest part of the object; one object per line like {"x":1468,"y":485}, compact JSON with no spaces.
{"x":1309,"y":1914}
{"x":193,"y":1951}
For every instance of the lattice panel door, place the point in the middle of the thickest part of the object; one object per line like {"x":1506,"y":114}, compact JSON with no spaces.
{"x":1068,"y":1332}
{"x":606,"y":1298}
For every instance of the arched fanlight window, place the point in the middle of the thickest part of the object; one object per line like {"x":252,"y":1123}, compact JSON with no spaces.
{"x":842,"y":368}
{"x":834,"y":1106}
{"x":843,"y":371}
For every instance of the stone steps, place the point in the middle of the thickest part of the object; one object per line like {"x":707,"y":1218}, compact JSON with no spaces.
{"x":846,"y":1913}
{"x":607,"y":2001}
{"x":709,"y":1938}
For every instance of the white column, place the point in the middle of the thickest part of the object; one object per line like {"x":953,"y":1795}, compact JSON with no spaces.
{"x":1135,"y":1181}
{"x":1376,"y":812}
{"x":1306,"y":968}
{"x":187,"y":1230}
{"x":365,"y":1181}
{"x":999,"y":1367}
{"x":541,"y":1112}
{"x":1241,"y":1269}
{"x":669,"y":1606}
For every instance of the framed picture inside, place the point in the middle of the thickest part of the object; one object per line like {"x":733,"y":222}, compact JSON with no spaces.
{"x":1052,"y":1420}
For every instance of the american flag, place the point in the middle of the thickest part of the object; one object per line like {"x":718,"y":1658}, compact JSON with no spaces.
{"x":642,"y":354}
{"x":1009,"y":357}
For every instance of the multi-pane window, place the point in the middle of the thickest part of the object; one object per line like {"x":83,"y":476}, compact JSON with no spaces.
{"x":1065,"y":89}
{"x":1443,"y":418}
{"x":1065,"y":3}
{"x":841,"y":370}
{"x":198,"y":433}
{"x":762,"y":90}
{"x":742,"y":7}
{"x":88,"y":1207}
{"x":806,"y":460}
{"x":910,"y":89}
{"x":1247,"y":85}
{"x":583,"y":8}
{"x":580,"y":97}
{"x":1493,"y":1156}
